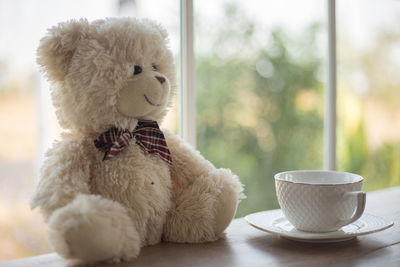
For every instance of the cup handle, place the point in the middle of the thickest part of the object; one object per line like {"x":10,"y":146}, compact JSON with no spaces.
{"x":361,"y":199}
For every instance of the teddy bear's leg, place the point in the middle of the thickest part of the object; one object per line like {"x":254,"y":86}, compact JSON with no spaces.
{"x":92,"y":229}
{"x":205,"y":208}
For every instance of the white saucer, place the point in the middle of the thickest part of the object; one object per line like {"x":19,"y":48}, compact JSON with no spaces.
{"x":273,"y":221}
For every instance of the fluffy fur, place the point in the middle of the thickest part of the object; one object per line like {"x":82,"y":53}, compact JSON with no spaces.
{"x":107,"y":210}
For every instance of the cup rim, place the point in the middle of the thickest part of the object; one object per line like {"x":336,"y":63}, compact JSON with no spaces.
{"x":359,"y":178}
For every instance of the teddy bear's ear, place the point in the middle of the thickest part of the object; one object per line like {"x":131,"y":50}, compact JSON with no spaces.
{"x":58,"y":46}
{"x":157,"y":26}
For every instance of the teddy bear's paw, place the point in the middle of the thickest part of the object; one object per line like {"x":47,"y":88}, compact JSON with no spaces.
{"x":94,"y":240}
{"x":228,"y":199}
{"x":225,"y":209}
{"x":204,"y":209}
{"x":93,"y":229}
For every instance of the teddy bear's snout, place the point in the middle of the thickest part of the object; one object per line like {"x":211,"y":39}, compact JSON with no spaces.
{"x":160,"y":79}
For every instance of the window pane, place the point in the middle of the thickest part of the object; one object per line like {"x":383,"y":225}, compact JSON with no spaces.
{"x":259,"y":82}
{"x":27,"y":122}
{"x":369,"y":90}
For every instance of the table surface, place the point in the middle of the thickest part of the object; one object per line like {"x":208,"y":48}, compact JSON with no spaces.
{"x":244,"y":245}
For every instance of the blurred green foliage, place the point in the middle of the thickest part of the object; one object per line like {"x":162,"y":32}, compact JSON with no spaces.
{"x":251,"y":116}
{"x":380,"y":167}
{"x":260,"y":110}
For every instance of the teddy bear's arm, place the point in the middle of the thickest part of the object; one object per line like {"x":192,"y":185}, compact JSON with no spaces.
{"x":187,"y":163}
{"x":64,"y":174}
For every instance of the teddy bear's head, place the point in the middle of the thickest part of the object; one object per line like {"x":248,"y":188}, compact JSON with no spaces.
{"x":110,"y":72}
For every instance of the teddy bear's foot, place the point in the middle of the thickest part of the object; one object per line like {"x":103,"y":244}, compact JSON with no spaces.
{"x":92,"y":229}
{"x":225,"y":208}
{"x":227,"y":200}
{"x":205,"y":208}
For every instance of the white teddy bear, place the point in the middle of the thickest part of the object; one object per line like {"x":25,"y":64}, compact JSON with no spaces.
{"x":116,"y":182}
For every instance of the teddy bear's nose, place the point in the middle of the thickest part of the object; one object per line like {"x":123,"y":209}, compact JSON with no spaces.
{"x":160,"y":79}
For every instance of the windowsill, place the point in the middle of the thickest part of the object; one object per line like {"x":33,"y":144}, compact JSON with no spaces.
{"x":246,"y":246}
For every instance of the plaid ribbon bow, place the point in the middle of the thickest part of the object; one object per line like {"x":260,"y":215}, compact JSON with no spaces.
{"x":147,"y":134}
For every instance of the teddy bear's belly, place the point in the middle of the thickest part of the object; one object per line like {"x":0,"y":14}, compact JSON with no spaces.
{"x":142,"y":183}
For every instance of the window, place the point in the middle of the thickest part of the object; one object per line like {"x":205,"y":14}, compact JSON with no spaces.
{"x":369,"y":91}
{"x":259,"y":84}
{"x":263,"y":98}
{"x":253,"y":95}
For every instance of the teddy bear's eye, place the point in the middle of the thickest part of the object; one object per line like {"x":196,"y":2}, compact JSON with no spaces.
{"x":154,"y":67}
{"x":137,"y":70}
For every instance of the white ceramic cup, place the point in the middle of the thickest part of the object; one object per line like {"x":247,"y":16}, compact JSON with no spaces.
{"x":320,"y":201}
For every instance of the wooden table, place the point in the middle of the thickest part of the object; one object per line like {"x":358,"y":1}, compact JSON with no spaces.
{"x":246,"y":246}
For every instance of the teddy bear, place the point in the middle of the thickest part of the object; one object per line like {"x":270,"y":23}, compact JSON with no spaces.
{"x":115,"y":182}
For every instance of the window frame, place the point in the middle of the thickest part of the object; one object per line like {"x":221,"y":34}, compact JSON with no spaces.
{"x":187,"y":111}
{"x":330,"y":91}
